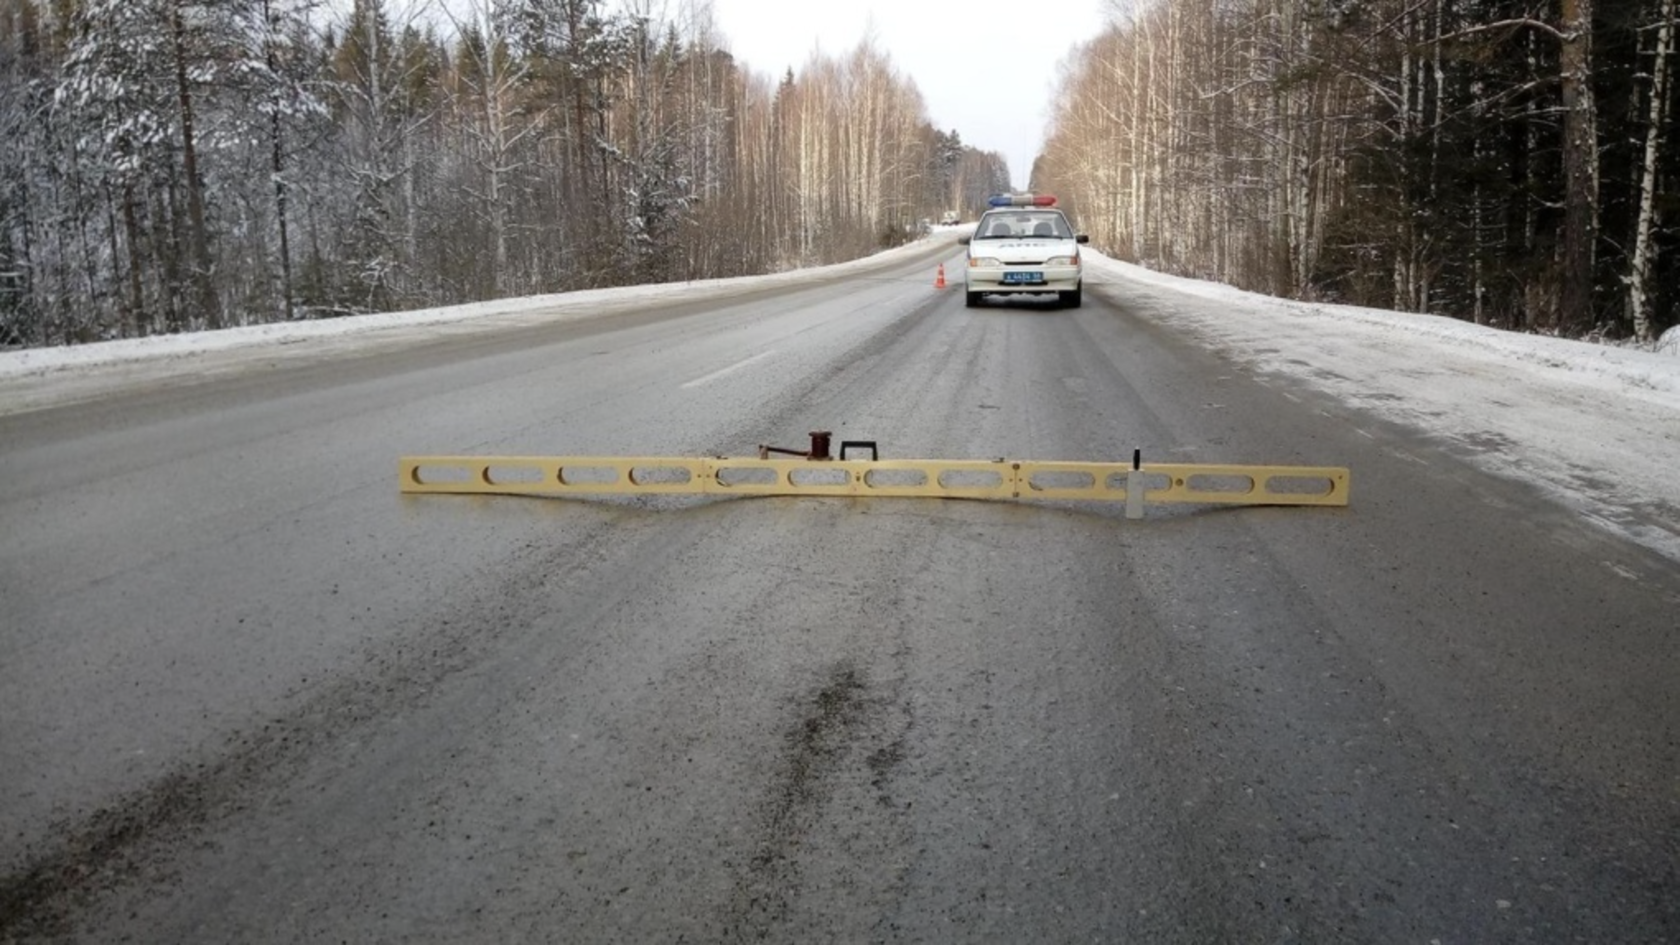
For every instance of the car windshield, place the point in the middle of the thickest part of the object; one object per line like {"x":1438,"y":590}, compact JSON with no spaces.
{"x":1023,"y":224}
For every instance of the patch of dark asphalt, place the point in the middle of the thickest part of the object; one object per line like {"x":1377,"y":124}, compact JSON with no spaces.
{"x":814,"y":744}
{"x":131,"y":838}
{"x":839,"y":726}
{"x":36,"y":900}
{"x":1488,"y":441}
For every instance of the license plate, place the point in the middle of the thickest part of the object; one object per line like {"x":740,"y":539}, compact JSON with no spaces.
{"x":1023,"y":277}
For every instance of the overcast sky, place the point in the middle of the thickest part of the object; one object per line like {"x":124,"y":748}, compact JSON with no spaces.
{"x":986,"y":68}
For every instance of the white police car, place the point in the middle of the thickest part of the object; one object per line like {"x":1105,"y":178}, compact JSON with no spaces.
{"x":1024,"y":245}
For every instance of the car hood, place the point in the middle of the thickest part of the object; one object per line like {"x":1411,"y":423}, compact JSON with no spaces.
{"x":1023,"y":250}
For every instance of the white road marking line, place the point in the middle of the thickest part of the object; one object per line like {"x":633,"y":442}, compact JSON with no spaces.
{"x":728,"y":370}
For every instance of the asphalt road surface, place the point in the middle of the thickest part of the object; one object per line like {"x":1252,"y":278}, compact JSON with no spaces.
{"x":248,"y":693}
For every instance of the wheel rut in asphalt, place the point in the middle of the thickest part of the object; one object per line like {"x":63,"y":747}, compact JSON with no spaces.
{"x":830,"y":796}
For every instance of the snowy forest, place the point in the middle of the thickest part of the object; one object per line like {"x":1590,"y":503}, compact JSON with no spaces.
{"x":174,"y":165}
{"x":1505,"y":162}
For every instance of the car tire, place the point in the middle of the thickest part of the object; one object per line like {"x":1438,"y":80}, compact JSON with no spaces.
{"x":971,"y":299}
{"x":1072,"y":299}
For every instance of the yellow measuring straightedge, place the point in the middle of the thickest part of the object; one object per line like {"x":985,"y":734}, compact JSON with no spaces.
{"x":1134,"y":484}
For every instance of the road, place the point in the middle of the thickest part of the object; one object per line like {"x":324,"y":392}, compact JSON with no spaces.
{"x":252,"y":694}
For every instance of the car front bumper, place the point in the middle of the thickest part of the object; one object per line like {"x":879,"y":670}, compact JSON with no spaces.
{"x":1039,"y":279}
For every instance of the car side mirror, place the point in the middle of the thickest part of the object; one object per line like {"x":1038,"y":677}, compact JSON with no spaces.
{"x":962,"y":240}
{"x":1082,"y":238}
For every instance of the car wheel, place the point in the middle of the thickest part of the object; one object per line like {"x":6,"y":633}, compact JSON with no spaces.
{"x":972,"y":299}
{"x":1072,"y":299}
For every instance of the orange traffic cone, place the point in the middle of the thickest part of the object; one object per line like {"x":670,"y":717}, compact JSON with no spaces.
{"x":939,"y":280}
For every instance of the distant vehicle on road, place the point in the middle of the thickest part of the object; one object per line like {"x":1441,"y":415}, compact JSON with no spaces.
{"x":1024,"y":245}
{"x":951,"y":218}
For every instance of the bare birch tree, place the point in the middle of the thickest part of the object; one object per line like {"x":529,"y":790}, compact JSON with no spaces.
{"x":1640,"y":268}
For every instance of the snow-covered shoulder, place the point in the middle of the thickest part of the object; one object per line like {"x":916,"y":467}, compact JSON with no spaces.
{"x":358,"y":331}
{"x":1669,"y":342}
{"x":1595,"y":426}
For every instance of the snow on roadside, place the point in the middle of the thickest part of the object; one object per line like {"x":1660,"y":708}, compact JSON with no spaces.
{"x":391,"y":326}
{"x":1596,"y":427}
{"x":1669,"y":342}
{"x":35,"y":378}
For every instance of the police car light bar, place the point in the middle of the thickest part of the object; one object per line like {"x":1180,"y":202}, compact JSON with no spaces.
{"x":1021,"y":200}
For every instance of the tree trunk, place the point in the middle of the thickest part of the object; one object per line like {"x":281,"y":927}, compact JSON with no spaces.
{"x":131,"y":236}
{"x":277,"y":166}
{"x":197,"y":236}
{"x":1537,"y":305}
{"x":1580,"y":161}
{"x":1643,"y":249}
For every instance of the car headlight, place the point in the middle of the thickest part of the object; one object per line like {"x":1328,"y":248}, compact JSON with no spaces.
{"x":984,"y":262}
{"x":1062,"y":261}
